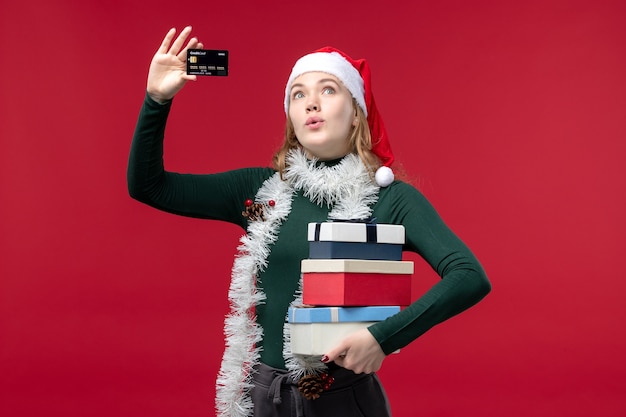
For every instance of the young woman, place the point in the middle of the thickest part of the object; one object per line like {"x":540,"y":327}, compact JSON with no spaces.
{"x":334,"y":164}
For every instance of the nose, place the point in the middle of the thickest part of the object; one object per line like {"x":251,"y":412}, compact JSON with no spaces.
{"x":312,"y":105}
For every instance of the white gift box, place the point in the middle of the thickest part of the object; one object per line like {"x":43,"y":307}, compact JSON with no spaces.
{"x":356,"y":232}
{"x":319,"y":338}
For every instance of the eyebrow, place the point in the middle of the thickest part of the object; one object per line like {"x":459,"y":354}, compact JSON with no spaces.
{"x":321,"y":81}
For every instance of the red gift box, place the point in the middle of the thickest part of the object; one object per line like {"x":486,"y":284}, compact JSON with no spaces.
{"x":356,"y":289}
{"x":356,"y":282}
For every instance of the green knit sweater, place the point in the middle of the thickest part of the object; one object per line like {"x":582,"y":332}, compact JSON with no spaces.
{"x":222,"y":196}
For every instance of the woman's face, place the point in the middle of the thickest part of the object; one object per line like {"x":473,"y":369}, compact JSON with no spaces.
{"x":322,"y":114}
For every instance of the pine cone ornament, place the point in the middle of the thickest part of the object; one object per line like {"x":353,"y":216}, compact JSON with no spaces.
{"x":254,"y":211}
{"x":311,"y":386}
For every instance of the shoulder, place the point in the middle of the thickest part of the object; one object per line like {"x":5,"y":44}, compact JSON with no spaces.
{"x":401,"y":200}
{"x":400,"y":190}
{"x":252,"y":177}
{"x":249,"y":172}
{"x":260,"y":172}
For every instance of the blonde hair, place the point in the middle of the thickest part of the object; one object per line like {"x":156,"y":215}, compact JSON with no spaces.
{"x":360,"y":142}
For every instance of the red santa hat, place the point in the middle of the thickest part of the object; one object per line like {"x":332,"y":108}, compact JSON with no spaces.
{"x":356,"y":76}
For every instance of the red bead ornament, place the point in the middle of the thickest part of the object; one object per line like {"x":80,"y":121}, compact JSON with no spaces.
{"x":327,"y":380}
{"x":254,"y":211}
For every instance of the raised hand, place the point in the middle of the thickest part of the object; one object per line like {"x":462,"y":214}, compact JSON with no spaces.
{"x":168,"y":69}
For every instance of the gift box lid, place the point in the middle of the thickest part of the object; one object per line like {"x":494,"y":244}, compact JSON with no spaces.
{"x":356,"y":232}
{"x":340,"y":314}
{"x":356,"y":266}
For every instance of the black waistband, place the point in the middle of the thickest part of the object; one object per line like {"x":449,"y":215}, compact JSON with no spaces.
{"x":265,"y":375}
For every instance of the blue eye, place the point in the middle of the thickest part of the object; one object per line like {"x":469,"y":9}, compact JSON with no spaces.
{"x":329,"y":90}
{"x":297,"y":95}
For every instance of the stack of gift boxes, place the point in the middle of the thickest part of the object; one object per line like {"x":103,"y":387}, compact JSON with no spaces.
{"x":353,"y":278}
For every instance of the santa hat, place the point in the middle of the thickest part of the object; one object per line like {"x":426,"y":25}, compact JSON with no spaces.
{"x":356,"y":76}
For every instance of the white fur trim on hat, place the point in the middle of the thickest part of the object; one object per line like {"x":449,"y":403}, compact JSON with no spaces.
{"x":334,"y":64}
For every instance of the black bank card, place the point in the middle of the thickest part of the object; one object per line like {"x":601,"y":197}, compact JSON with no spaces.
{"x":207,"y":62}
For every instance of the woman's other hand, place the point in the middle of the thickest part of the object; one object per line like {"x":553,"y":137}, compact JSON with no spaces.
{"x":359,"y":352}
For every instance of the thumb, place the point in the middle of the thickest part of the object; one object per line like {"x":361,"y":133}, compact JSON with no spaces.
{"x":188,"y":77}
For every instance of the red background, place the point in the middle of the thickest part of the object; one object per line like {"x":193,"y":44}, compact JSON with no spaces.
{"x":509,"y":115}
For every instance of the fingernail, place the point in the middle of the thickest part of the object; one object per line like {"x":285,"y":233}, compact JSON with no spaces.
{"x":325,"y":358}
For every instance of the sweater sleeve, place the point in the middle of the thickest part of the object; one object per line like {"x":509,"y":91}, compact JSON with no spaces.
{"x":463,"y":281}
{"x":219,"y":196}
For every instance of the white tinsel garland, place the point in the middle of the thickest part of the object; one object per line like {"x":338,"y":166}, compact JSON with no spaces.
{"x":347,"y":188}
{"x":240,"y":327}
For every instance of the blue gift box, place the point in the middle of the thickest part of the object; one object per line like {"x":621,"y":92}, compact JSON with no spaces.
{"x":316,"y":330}
{"x":340,"y":314}
{"x":349,"y":250}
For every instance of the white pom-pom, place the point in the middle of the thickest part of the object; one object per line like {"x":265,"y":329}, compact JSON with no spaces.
{"x":384,"y":176}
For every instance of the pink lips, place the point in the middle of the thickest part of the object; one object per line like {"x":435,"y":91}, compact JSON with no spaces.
{"x":314,"y":122}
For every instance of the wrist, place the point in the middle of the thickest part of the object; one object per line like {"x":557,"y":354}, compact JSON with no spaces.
{"x":158,"y":99}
